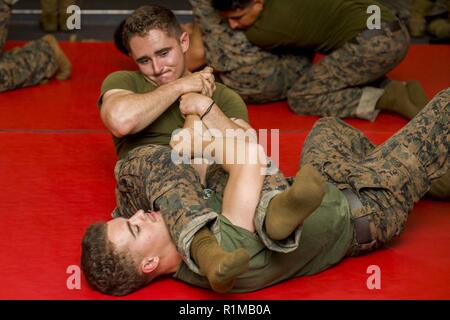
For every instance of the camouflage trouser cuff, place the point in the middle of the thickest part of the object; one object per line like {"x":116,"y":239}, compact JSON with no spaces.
{"x":187,"y":235}
{"x":284,"y":246}
{"x":366,"y":107}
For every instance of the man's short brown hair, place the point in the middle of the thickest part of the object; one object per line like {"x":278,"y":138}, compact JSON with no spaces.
{"x":147,"y":18}
{"x":106,"y":268}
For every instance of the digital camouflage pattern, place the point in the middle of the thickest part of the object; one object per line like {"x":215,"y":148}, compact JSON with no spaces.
{"x":148,"y":179}
{"x":334,"y":86}
{"x":26,"y":66}
{"x":388,"y":178}
{"x":255,"y":74}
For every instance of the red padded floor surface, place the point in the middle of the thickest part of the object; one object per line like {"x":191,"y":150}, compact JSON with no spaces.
{"x":56,"y":170}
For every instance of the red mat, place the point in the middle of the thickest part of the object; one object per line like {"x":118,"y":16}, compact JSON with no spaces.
{"x":56,"y":166}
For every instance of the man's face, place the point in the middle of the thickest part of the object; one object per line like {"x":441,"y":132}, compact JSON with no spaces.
{"x":243,"y":18}
{"x":143,"y":235}
{"x":159,"y":56}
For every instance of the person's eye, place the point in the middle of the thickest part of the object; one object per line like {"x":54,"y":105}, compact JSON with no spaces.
{"x":164,"y":53}
{"x":144,"y":61}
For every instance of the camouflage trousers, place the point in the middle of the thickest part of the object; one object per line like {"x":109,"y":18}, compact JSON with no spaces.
{"x":340,"y":84}
{"x":26,"y":66}
{"x":148,"y":179}
{"x":388,"y":178}
{"x":255,"y":74}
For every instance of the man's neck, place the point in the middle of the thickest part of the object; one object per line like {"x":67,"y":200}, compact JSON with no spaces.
{"x":171,"y":261}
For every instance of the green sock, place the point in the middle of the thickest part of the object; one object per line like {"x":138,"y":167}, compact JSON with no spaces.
{"x":290,"y":208}
{"x":396,"y":99}
{"x":417,"y":94}
{"x":220,"y":267}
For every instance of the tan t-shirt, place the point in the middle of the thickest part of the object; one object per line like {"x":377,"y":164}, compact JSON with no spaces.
{"x":160,"y":131}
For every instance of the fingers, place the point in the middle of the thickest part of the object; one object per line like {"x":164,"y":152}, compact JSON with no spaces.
{"x":209,"y":84}
{"x":207,"y":69}
{"x":207,"y":88}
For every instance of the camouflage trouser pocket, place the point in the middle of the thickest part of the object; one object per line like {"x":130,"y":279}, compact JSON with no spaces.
{"x":130,"y":195}
{"x":362,"y":242}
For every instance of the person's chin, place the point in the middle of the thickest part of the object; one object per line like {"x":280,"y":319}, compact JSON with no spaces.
{"x":165,"y":79}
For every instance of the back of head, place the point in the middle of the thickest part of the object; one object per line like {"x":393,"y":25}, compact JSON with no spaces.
{"x":107,"y":269}
{"x":118,"y":38}
{"x":230,"y":5}
{"x":147,"y":18}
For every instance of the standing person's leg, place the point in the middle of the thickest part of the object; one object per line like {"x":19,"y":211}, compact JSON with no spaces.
{"x":257,"y":75}
{"x":49,"y":15}
{"x":5,"y":14}
{"x":338,"y":85}
{"x":63,"y":15}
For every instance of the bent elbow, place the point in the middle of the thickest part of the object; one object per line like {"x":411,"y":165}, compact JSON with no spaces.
{"x":120,"y":128}
{"x":118,"y":123}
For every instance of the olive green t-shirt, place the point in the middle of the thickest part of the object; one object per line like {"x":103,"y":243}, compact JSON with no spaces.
{"x":326,"y":237}
{"x":319,"y":25}
{"x":160,"y":131}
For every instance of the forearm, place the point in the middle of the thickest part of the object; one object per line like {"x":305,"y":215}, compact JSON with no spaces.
{"x":198,"y":135}
{"x":216,"y":119}
{"x":131,"y":112}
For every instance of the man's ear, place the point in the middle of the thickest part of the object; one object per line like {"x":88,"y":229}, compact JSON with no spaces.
{"x":184,"y":41}
{"x":259,"y":4}
{"x":149,"y":264}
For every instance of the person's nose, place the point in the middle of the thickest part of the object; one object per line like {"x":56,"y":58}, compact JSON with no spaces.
{"x":138,"y":216}
{"x":157,"y":66}
{"x":233,"y":24}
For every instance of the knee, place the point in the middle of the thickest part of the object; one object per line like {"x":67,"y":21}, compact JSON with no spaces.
{"x":328,"y":122}
{"x":6,"y":82}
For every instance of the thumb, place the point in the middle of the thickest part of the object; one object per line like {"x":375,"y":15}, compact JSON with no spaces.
{"x":208,"y":69}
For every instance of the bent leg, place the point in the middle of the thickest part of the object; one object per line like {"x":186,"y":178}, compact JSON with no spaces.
{"x":332,"y":142}
{"x":394,"y":175}
{"x":257,"y":75}
{"x":27,"y":66}
{"x":420,"y":150}
{"x":338,"y":85}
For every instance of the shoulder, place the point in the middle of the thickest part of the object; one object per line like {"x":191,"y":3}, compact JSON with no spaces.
{"x":127,"y":80}
{"x":223,"y":92}
{"x":124,"y":80}
{"x":122,"y":75}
